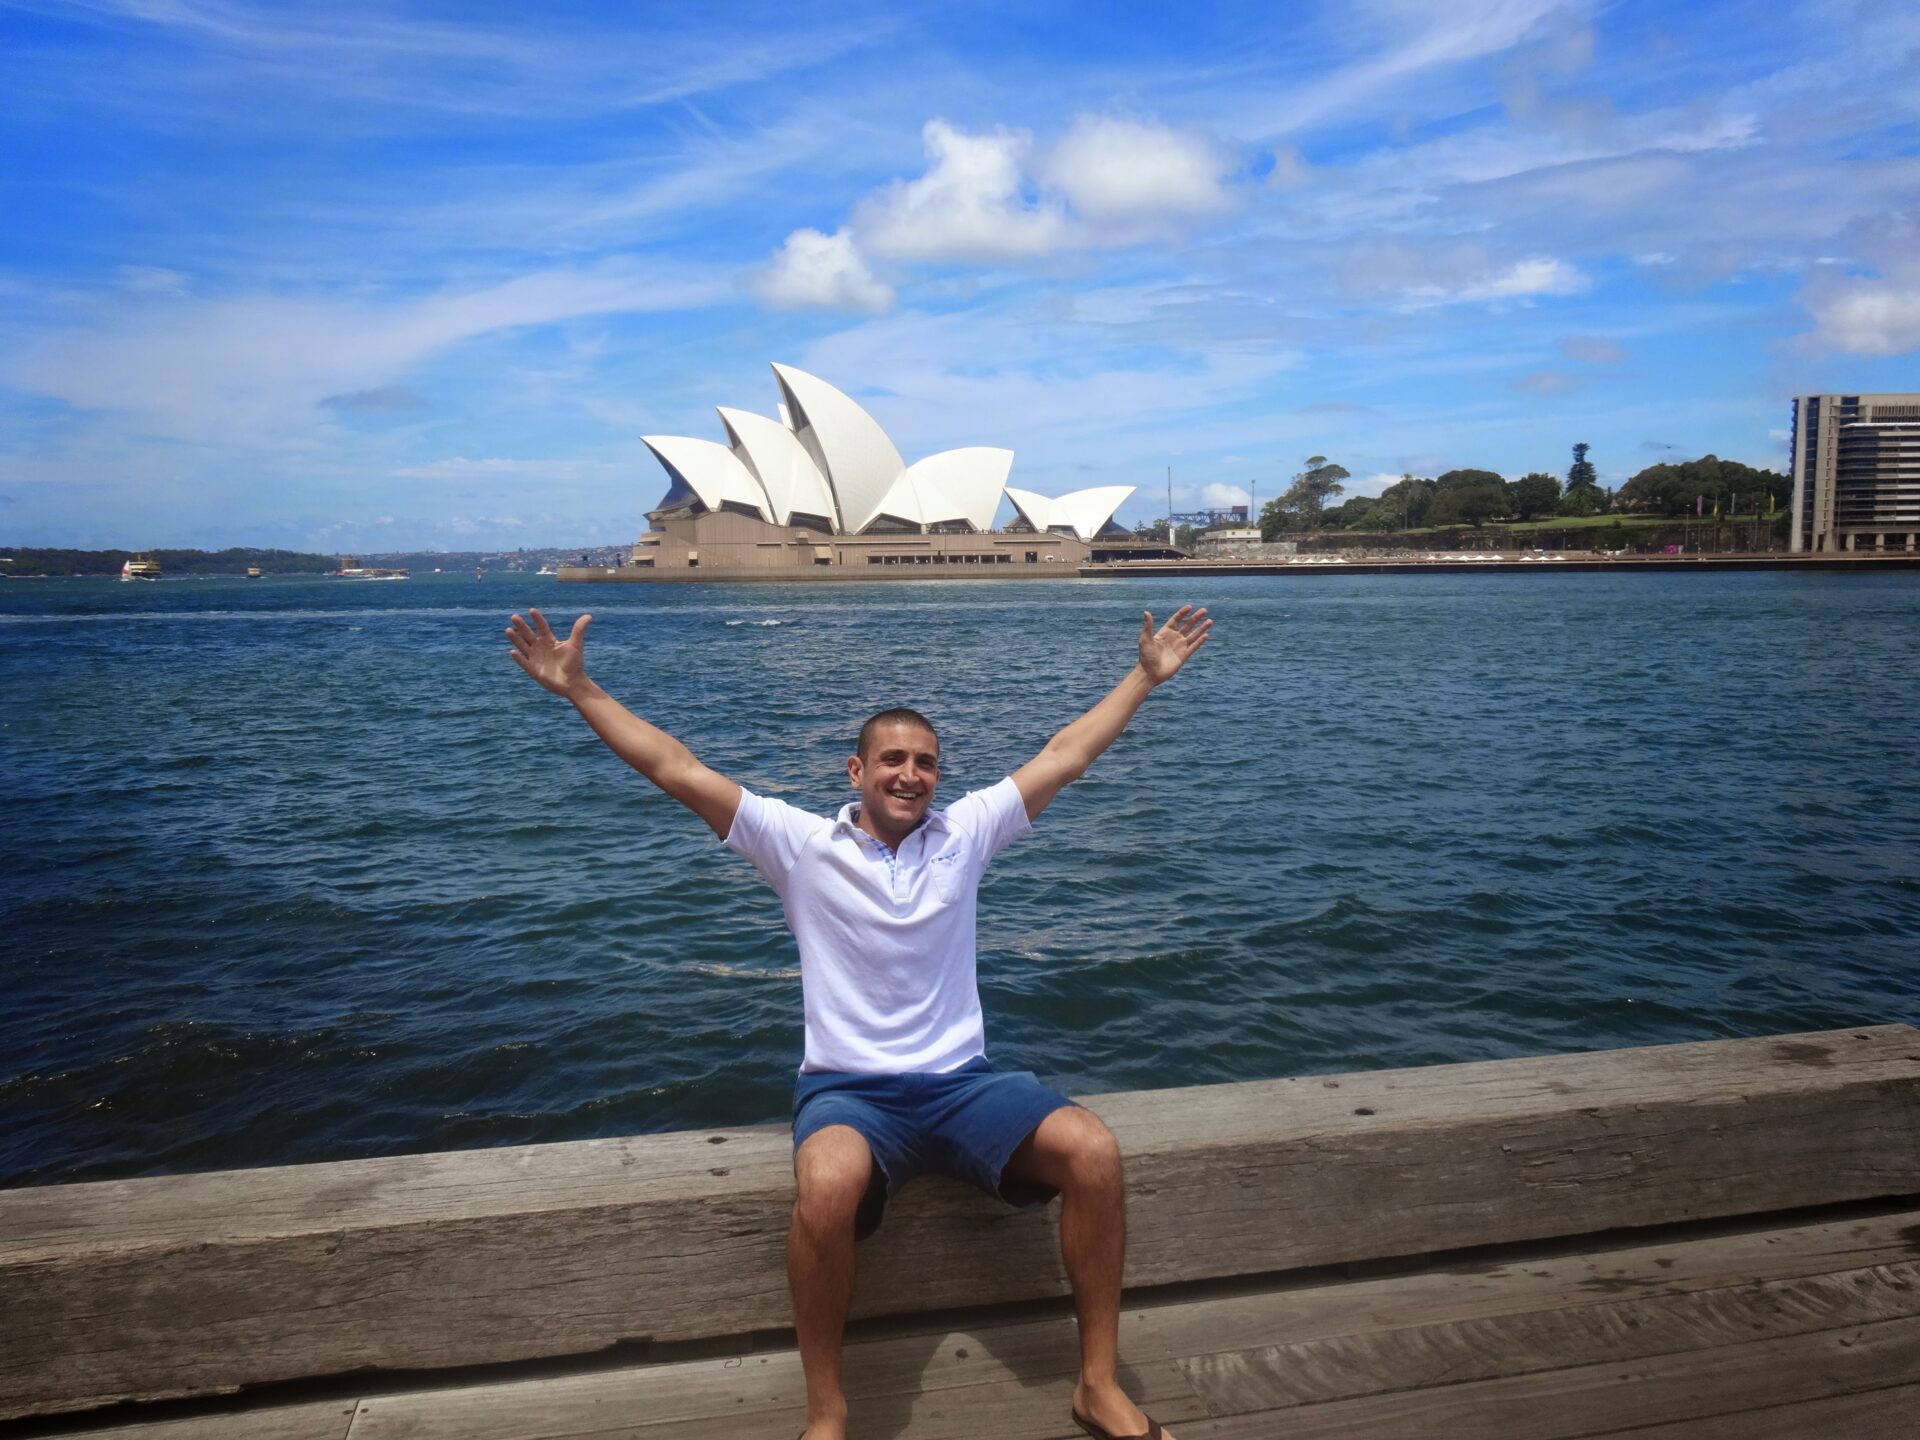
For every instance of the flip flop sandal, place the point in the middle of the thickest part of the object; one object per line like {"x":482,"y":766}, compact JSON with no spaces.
{"x":1154,"y":1432}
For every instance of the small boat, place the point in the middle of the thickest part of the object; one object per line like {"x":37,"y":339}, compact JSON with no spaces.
{"x":140,"y":567}
{"x":352,"y":569}
{"x":547,"y":570}
{"x":254,"y":572}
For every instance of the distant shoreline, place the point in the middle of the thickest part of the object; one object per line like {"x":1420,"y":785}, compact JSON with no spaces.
{"x":1494,"y":563}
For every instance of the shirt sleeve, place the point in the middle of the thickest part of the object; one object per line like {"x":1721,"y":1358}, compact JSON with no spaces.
{"x":992,"y":818}
{"x":771,"y":834}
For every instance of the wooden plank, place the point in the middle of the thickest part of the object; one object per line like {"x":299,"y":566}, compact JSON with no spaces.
{"x":1606,"y":1398}
{"x":320,"y":1420}
{"x":1452,"y":1351}
{"x":1890,"y":1414}
{"x":1293,"y":1314}
{"x":198,"y":1284}
{"x":923,"y":1387}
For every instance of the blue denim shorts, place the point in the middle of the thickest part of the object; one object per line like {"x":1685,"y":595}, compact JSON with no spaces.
{"x":965,"y":1123}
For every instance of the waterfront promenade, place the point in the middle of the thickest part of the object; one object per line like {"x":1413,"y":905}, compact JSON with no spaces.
{"x":1445,"y":563}
{"x":1710,"y":1239}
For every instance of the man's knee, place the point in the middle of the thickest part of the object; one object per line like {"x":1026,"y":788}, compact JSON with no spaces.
{"x":1088,"y":1156}
{"x":831,"y":1171}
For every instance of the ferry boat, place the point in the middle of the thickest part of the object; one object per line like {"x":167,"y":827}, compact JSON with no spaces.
{"x":254,"y":572}
{"x":352,"y":569}
{"x":140,"y":567}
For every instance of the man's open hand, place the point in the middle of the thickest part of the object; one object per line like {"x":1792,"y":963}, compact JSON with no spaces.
{"x":1165,"y":650}
{"x":559,"y":665}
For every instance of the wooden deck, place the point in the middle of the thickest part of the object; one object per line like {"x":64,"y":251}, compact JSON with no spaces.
{"x":1695,"y":1240}
{"x":1756,"y":1332}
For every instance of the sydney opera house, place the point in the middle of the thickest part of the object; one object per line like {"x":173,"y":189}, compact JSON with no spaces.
{"x":823,"y":487}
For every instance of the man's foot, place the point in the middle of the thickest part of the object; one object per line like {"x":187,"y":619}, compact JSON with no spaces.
{"x":831,"y":1426}
{"x":1109,"y":1409}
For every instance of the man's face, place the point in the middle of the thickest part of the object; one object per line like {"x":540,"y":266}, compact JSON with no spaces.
{"x":896,"y":776}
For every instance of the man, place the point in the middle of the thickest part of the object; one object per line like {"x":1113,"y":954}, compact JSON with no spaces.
{"x":895,"y":1080}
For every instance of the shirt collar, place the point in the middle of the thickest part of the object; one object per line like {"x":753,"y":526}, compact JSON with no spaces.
{"x":847,"y":822}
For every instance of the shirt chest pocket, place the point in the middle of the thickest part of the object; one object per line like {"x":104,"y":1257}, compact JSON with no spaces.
{"x":949,"y":874}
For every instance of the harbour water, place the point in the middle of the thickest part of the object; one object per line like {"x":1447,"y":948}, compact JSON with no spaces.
{"x":303,"y":870}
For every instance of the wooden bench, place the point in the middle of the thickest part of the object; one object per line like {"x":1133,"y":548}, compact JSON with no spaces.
{"x":200,"y":1284}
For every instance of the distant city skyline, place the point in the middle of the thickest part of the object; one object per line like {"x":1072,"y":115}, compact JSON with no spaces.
{"x":367,"y":278}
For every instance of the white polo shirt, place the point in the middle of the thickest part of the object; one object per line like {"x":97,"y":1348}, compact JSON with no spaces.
{"x":886,"y":939}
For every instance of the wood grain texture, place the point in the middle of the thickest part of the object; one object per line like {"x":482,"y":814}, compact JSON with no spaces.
{"x":1452,"y":1351}
{"x":1606,"y":1398}
{"x":1890,"y":1414}
{"x":198,"y":1284}
{"x":1299,"y":1347}
{"x":321,"y":1420}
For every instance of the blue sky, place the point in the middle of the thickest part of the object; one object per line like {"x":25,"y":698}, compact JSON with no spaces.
{"x":364,"y":277}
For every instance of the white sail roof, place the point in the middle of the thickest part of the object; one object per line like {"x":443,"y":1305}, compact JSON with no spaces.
{"x":848,"y":445}
{"x":964,"y":484}
{"x":710,"y":470}
{"x":826,"y":457}
{"x":1085,"y":512}
{"x":784,"y":468}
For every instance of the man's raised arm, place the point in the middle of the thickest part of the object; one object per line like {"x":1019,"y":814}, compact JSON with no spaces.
{"x":1069,"y":753}
{"x":560,"y":666}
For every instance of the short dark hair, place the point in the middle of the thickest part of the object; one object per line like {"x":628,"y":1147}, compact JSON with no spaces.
{"x":898,"y":715}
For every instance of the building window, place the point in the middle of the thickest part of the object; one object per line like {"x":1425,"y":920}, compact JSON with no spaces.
{"x":693,"y":563}
{"x":1033,"y":557}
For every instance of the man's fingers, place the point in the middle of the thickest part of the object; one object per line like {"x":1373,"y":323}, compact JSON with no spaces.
{"x":520,"y":631}
{"x":1197,"y":636}
{"x":579,"y":633}
{"x":1146,"y":625}
{"x":540,"y":624}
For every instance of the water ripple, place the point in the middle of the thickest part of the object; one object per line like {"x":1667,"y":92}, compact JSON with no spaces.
{"x":298,"y":873}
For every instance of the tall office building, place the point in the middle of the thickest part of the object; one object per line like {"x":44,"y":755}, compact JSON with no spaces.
{"x":1856,"y":472}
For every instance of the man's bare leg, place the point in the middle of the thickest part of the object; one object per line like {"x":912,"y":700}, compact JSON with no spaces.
{"x":1078,"y":1156}
{"x":831,"y":1171}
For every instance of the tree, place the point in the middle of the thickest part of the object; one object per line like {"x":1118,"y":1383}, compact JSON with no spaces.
{"x":1305,"y":501}
{"x":1401,"y":506}
{"x":1468,"y":497}
{"x":1273,"y":520}
{"x":1535,"y":495}
{"x":1581,"y":472}
{"x":1584,"y":496}
{"x":1673,"y":489}
{"x":1348,"y":515}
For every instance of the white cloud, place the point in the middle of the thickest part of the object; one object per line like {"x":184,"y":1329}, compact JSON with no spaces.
{"x":1129,"y":171}
{"x":988,"y":197}
{"x":1868,"y":316}
{"x":1290,"y":169}
{"x":1221,"y":497}
{"x":1462,"y":276}
{"x":1465,"y":30}
{"x":1546,"y":382}
{"x":1592,"y":350}
{"x":206,"y":369}
{"x":812,"y":271}
{"x":455,"y":467}
{"x":1375,"y":484}
{"x":970,"y":205}
{"x":150,"y":280}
